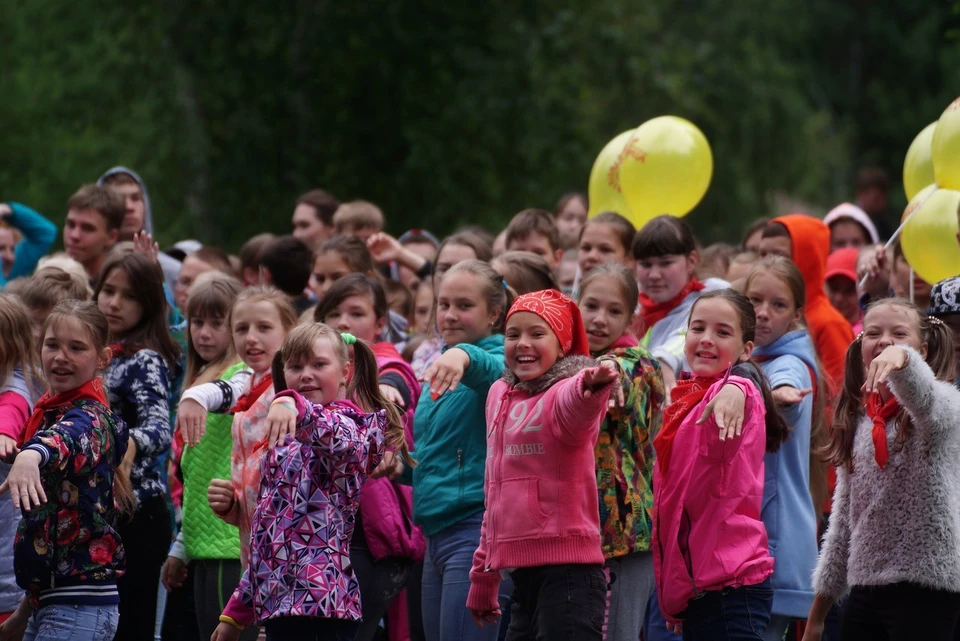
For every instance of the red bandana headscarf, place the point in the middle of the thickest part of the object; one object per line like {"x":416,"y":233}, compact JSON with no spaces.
{"x":90,"y":391}
{"x":879,"y":412}
{"x":561,"y":314}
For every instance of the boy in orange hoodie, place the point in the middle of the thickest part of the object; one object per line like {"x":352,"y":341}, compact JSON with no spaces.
{"x":806,"y":241}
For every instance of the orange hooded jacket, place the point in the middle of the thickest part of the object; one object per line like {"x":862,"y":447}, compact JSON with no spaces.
{"x":830,"y":331}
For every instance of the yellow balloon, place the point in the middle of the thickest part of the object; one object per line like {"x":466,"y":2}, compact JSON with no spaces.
{"x":918,"y":165}
{"x":604,"y":186}
{"x":946,"y":148}
{"x":929,"y":239}
{"x":665,"y":168}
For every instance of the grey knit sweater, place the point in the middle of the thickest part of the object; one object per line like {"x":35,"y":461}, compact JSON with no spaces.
{"x":900,"y":523}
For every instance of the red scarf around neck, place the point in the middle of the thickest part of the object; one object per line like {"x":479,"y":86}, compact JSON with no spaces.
{"x":246,"y":401}
{"x":652,"y":312}
{"x":90,"y":391}
{"x":685,"y":396}
{"x":880,"y":412}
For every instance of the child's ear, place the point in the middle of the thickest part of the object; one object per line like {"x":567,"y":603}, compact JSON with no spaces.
{"x":381,"y":323}
{"x":557,"y":257}
{"x":347,"y":372}
{"x":105,"y":357}
{"x":266,"y":278}
{"x":747,"y":351}
{"x":923,"y":350}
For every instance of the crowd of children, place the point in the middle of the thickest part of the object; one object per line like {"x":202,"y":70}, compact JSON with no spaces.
{"x":575,"y":429}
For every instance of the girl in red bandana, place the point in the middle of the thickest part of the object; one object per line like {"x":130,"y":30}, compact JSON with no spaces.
{"x":894,"y":533}
{"x":541,"y":525}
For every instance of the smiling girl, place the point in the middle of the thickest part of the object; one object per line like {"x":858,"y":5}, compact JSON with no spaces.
{"x":894,"y":535}
{"x":542,"y":424}
{"x":605,"y":238}
{"x":130,"y":295}
{"x":300,"y":584}
{"x":711,"y":555}
{"x":789,"y":364}
{"x":69,"y":483}
{"x":624,"y":451}
{"x":385,"y":541}
{"x":450,"y":428}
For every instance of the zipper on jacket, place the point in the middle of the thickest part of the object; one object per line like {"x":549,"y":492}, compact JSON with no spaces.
{"x":460,"y":471}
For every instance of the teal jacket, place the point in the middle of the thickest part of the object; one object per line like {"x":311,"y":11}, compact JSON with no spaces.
{"x":450,"y":434}
{"x":38,"y":236}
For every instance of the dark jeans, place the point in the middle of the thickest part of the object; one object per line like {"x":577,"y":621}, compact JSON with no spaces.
{"x":310,"y":629}
{"x":146,"y":540}
{"x":731,"y":614}
{"x":380,"y":583}
{"x":558,"y":602}
{"x":900,"y":612}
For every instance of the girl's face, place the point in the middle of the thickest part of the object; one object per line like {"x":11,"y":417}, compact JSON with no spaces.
{"x":327,"y":268}
{"x":663,"y":277}
{"x":606,"y":315}
{"x":777,"y":313}
{"x":422,"y":306}
{"x":901,"y":284}
{"x":599,"y":245}
{"x":68,"y":356}
{"x":119,"y":303}
{"x":320,"y":379}
{"x":257,"y":333}
{"x":449,"y":256}
{"x":462,"y":313}
{"x":714,"y":340}
{"x":887,"y":325}
{"x":191,"y":268}
{"x":210,"y":336}
{"x":530,"y":347}
{"x":355,"y":314}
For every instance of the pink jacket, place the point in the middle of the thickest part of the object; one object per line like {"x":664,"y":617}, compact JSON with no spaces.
{"x":541,"y":480}
{"x":386,"y":507}
{"x":707,"y":532}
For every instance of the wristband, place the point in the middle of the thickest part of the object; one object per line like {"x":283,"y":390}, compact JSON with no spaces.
{"x":230,"y":620}
{"x":285,"y":401}
{"x":425,"y":271}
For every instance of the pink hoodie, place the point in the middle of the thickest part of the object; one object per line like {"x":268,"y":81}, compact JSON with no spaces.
{"x":707,"y":532}
{"x":541,"y":478}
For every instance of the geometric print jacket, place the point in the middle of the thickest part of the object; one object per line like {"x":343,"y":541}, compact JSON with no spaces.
{"x":303,"y":524}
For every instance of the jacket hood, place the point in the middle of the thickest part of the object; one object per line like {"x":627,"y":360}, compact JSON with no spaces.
{"x":796,"y":343}
{"x":147,"y":211}
{"x":848,"y":211}
{"x":566,"y":367}
{"x":810,"y":240}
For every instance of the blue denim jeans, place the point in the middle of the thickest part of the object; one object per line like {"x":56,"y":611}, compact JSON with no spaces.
{"x":446,"y":584}
{"x":73,"y":623}
{"x":731,"y":614}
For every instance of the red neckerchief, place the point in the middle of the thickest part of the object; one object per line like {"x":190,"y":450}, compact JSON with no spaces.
{"x":122,"y":349}
{"x":686,"y":395}
{"x":879,"y":412}
{"x":651,"y":311}
{"x":246,"y":401}
{"x":90,"y":391}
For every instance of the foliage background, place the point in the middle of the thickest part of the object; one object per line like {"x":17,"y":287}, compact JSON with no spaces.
{"x":446,"y":114}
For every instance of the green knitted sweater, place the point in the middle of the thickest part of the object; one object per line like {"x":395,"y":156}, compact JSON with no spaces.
{"x":205,"y":535}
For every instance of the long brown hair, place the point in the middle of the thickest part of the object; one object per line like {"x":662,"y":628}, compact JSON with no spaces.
{"x":789,"y":274}
{"x":212,"y":297}
{"x":17,"y":348}
{"x":88,"y":314}
{"x":364,"y":385}
{"x":146,"y":283}
{"x":777,"y":428}
{"x":940,"y":357}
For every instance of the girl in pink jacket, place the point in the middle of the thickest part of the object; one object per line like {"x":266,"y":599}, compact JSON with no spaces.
{"x":711,"y":558}
{"x":541,"y":525}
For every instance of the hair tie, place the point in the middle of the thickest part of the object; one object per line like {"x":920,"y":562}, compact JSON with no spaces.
{"x":935,"y":321}
{"x":348,"y":339}
{"x":859,"y":338}
{"x":504,"y":284}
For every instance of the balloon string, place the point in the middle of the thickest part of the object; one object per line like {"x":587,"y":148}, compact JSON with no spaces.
{"x":896,"y":234}
{"x":575,"y":291}
{"x":911,"y":285}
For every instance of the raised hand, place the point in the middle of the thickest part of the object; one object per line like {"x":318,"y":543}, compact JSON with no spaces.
{"x":191,"y":420}
{"x":384,"y":248}
{"x":281,"y":422}
{"x":446,"y":372}
{"x":143,"y":244}
{"x":890,"y":359}
{"x":23,"y":481}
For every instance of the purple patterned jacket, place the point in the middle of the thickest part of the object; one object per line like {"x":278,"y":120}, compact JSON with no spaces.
{"x":303,"y":524}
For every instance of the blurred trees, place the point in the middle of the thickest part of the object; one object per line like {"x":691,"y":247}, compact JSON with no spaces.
{"x":446,"y":114}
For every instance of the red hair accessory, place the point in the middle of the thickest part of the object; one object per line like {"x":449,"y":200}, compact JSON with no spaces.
{"x":561,"y":314}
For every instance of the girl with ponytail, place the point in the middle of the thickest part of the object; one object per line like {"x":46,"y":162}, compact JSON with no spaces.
{"x":326,"y":448}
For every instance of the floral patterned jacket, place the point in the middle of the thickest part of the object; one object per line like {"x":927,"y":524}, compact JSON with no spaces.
{"x":625,"y":455}
{"x":67,"y":550}
{"x":303,"y":524}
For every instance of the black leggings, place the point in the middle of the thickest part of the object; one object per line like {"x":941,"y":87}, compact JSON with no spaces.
{"x":380,"y":583}
{"x":309,"y":629}
{"x":900,"y":612}
{"x":146,"y":541}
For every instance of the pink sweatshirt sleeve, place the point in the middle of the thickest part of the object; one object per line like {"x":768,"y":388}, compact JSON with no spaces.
{"x":484,"y":584}
{"x":240,"y":606}
{"x":14,"y":412}
{"x":578,"y":416}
